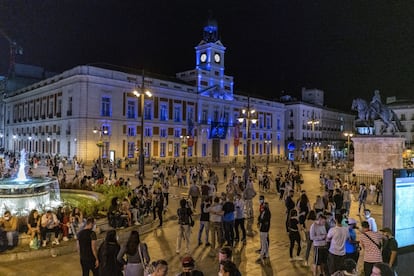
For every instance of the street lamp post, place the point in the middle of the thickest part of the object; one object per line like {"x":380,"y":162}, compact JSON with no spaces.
{"x":268,"y":145}
{"x":313,"y":122}
{"x":248,"y":116}
{"x":348,"y":135}
{"x":184,"y":146}
{"x":30,"y":144}
{"x":14,"y":144}
{"x":49,"y":146}
{"x":100,"y":145}
{"x":140,"y":94}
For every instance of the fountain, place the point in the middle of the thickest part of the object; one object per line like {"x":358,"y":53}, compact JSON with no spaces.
{"x":22,"y":194}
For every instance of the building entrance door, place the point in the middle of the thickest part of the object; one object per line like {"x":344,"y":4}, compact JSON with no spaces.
{"x":216,"y":151}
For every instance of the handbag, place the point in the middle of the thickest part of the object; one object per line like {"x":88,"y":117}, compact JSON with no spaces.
{"x":191,"y":221}
{"x":148,"y":267}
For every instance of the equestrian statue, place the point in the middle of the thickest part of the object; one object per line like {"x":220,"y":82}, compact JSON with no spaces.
{"x":376,"y":110}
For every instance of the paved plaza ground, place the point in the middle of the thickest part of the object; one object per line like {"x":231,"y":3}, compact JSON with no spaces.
{"x":162,"y":241}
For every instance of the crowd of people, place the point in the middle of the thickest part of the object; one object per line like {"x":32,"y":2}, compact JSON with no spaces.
{"x":323,"y":225}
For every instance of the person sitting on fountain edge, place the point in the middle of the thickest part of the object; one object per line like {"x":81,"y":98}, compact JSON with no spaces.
{"x":8,"y":231}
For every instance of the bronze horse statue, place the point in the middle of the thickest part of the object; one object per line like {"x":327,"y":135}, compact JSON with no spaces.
{"x":369,"y":113}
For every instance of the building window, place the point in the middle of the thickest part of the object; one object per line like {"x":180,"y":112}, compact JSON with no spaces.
{"x":261,"y":121}
{"x":131,"y":109}
{"x":260,"y":149}
{"x":236,"y":151}
{"x":163,"y":132}
{"x":131,"y":131}
{"x":278,"y":124}
{"x":106,"y":107}
{"x":190,"y":151}
{"x":69,"y":111}
{"x":148,"y":111}
{"x":204,"y":150}
{"x":226,"y":149}
{"x":163,"y":147}
{"x":176,"y":149}
{"x":177,"y":132}
{"x":190,"y":113}
{"x":147,"y":149}
{"x":177,"y":114}
{"x":131,"y":149}
{"x":148,"y":132}
{"x":163,"y":112}
{"x":204,"y":116}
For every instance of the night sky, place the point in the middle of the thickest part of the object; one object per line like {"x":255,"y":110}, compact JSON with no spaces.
{"x":346,"y":48}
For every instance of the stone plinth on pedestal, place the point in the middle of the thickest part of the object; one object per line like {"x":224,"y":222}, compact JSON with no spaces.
{"x":374,"y":154}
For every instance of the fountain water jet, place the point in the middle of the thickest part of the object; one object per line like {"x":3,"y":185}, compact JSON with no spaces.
{"x":20,"y":195}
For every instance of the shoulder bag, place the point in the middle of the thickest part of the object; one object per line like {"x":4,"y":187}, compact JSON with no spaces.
{"x":378,"y":245}
{"x":148,"y":268}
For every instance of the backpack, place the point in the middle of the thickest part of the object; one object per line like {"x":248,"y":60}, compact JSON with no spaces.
{"x":183,"y":216}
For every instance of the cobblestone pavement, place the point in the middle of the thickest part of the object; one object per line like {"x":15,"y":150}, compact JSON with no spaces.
{"x":161,"y":241}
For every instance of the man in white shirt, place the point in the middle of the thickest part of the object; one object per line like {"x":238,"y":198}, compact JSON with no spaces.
{"x":337,"y":237}
{"x":371,"y":221}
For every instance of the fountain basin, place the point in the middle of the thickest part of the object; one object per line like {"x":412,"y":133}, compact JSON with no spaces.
{"x":19,"y":197}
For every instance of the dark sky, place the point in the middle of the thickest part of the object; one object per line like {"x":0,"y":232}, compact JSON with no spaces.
{"x":346,"y":48}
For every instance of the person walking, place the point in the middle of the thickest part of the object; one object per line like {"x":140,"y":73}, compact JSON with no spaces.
{"x":107,"y":256}
{"x":204,"y":220}
{"x":194,"y":193}
{"x":134,"y":255}
{"x":239,"y":219}
{"x":86,"y":245}
{"x":184,"y":230}
{"x":294,"y":236}
{"x":216,"y":216}
{"x":290,"y":204}
{"x":264,"y":226}
{"x":362,"y":197}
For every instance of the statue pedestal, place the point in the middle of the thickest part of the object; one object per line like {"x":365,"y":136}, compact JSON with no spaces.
{"x":374,"y":154}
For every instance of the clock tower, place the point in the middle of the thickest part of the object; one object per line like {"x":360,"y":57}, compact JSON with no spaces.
{"x":208,"y":75}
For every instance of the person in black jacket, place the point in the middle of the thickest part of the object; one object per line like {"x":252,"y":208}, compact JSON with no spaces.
{"x":290,"y":204}
{"x":107,"y":253}
{"x":264,"y":226}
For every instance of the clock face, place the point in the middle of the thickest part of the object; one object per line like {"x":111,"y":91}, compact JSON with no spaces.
{"x":203,"y":57}
{"x":217,"y":57}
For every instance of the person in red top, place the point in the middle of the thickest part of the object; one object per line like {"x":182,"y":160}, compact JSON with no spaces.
{"x":371,"y":243}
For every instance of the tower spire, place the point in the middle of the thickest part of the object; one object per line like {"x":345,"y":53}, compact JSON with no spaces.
{"x":210,"y":30}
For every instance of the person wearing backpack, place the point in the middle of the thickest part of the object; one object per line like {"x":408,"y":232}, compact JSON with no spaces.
{"x":184,"y":226}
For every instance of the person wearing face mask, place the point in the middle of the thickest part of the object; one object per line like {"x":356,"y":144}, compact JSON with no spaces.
{"x":370,"y":220}
{"x":8,"y":224}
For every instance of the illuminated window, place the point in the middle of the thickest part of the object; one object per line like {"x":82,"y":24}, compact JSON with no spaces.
{"x":177,"y":114}
{"x":148,"y":132}
{"x":176,"y":149}
{"x":163,"y":112}
{"x":131,"y":109}
{"x":131,"y":149}
{"x":204,"y":150}
{"x":163,"y":147}
{"x":131,"y":131}
{"x":106,"y":107}
{"x":148,"y":111}
{"x":163,"y":132}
